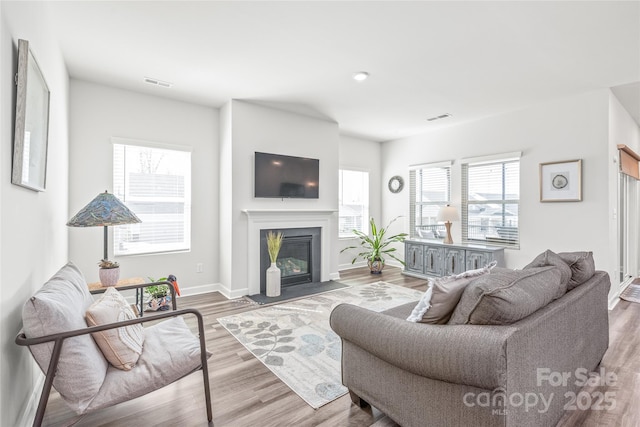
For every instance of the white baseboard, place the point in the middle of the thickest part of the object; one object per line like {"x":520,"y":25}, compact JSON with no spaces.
{"x":615,"y":298}
{"x":352,"y":266}
{"x":334,"y":276}
{"x":29,"y":414}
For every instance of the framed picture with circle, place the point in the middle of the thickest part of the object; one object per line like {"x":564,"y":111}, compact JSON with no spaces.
{"x":561,"y":181}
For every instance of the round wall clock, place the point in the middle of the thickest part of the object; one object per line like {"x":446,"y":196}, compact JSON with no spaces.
{"x":396,"y":184}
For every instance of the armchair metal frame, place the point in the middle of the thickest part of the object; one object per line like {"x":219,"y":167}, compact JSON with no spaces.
{"x":59,"y":339}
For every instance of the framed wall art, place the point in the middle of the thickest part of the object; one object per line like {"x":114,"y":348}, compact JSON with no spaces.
{"x":32,"y":123}
{"x":561,"y":181}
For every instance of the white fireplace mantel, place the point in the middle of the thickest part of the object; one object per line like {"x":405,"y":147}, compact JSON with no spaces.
{"x":262,"y":219}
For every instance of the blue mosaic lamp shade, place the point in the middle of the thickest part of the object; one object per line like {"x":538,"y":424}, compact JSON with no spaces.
{"x":106,"y":209}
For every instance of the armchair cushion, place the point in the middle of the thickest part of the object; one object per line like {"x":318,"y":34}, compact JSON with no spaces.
{"x":170,"y":352}
{"x":121,"y":346}
{"x":59,"y":306}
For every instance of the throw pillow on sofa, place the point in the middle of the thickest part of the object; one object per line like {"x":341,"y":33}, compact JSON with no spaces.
{"x":442,"y":296}
{"x":551,"y":258}
{"x":505,"y":296}
{"x":121,"y":346}
{"x":582,"y":267}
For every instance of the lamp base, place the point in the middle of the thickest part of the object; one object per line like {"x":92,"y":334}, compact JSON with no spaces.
{"x":448,"y":239}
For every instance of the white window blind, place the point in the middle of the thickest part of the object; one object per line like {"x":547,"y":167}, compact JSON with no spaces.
{"x":354,"y":202}
{"x":490,"y":201}
{"x":429,"y":190}
{"x":155,"y":183}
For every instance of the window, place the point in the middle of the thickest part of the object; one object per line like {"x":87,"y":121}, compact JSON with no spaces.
{"x":354,"y":202}
{"x":155,"y":183}
{"x":490,"y":199}
{"x":429,"y":190}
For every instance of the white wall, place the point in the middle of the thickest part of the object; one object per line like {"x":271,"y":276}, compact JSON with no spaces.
{"x":99,"y":113}
{"x":32,"y":225}
{"x":363,"y":155}
{"x":565,"y":129}
{"x":258,"y":128}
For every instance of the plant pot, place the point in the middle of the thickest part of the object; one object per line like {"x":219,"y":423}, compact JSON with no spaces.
{"x":109,"y":276}
{"x":375,"y":265}
{"x":273,"y":280}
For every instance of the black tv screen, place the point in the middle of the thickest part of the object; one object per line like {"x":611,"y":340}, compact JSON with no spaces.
{"x":286,"y":176}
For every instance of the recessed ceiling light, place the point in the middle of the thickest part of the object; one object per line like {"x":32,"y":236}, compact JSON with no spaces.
{"x":157,"y":82}
{"x":441,"y":116}
{"x":360,"y":76}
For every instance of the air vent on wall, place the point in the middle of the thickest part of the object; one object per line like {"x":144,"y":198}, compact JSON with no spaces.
{"x":441,"y":116}
{"x":157,"y":82}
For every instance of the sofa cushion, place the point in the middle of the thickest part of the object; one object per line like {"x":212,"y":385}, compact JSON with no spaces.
{"x":551,"y":258}
{"x":59,"y":306}
{"x":505,"y":296}
{"x":442,"y":296}
{"x":582,"y":267}
{"x":121,"y":346}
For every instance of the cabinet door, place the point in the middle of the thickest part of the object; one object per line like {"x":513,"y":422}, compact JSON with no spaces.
{"x":433,"y":260}
{"x":413,"y":258}
{"x":477,"y":259}
{"x":453,"y":261}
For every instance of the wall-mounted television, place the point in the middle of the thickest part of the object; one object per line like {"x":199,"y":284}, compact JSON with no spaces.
{"x":279,"y":176}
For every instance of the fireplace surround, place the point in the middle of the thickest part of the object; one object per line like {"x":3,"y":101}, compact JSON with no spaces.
{"x":276,"y":219}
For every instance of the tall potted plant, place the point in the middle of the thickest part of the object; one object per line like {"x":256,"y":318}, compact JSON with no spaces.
{"x":274,"y":242}
{"x":376,"y":246}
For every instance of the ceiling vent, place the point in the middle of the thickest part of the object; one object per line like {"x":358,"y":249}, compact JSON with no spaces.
{"x":441,"y":116}
{"x":157,"y":82}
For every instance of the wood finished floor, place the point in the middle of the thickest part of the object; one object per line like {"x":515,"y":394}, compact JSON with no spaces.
{"x":245,"y":393}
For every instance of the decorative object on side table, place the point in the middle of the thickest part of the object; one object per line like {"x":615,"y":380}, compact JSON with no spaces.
{"x":32,"y":123}
{"x":159,"y":295}
{"x":561,"y":181}
{"x":103,"y":211}
{"x":109,"y":272}
{"x":448,"y":214}
{"x":375,"y":246}
{"x":274,"y":242}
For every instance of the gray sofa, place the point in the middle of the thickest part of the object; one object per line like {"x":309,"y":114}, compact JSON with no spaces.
{"x":474,"y":375}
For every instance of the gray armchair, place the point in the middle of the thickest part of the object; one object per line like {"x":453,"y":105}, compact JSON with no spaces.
{"x":56,"y":333}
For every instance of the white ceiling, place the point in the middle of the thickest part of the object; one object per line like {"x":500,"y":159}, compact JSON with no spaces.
{"x":470,"y":59}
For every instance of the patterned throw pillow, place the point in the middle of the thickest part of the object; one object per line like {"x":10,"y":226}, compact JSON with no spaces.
{"x":442,"y":296}
{"x":121,"y":346}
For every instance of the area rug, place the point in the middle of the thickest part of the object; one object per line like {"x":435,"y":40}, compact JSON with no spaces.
{"x":632,"y":292}
{"x":294,"y":339}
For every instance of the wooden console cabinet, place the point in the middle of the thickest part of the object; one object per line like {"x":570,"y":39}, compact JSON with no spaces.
{"x":426,"y":258}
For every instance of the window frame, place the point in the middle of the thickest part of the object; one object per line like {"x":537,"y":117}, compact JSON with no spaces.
{"x":413,"y":183}
{"x":366,"y":207}
{"x":124,"y":195}
{"x":501,"y":241}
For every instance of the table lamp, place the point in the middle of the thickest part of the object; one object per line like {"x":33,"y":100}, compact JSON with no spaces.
{"x":447,"y":214}
{"x":103,"y":211}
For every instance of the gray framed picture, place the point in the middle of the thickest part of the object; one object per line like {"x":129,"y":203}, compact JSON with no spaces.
{"x":561,"y":181}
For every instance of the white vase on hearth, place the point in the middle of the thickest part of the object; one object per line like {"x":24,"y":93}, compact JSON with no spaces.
{"x":273,"y":281}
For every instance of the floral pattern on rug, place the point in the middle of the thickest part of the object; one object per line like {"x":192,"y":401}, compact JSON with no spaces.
{"x":294,"y":339}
